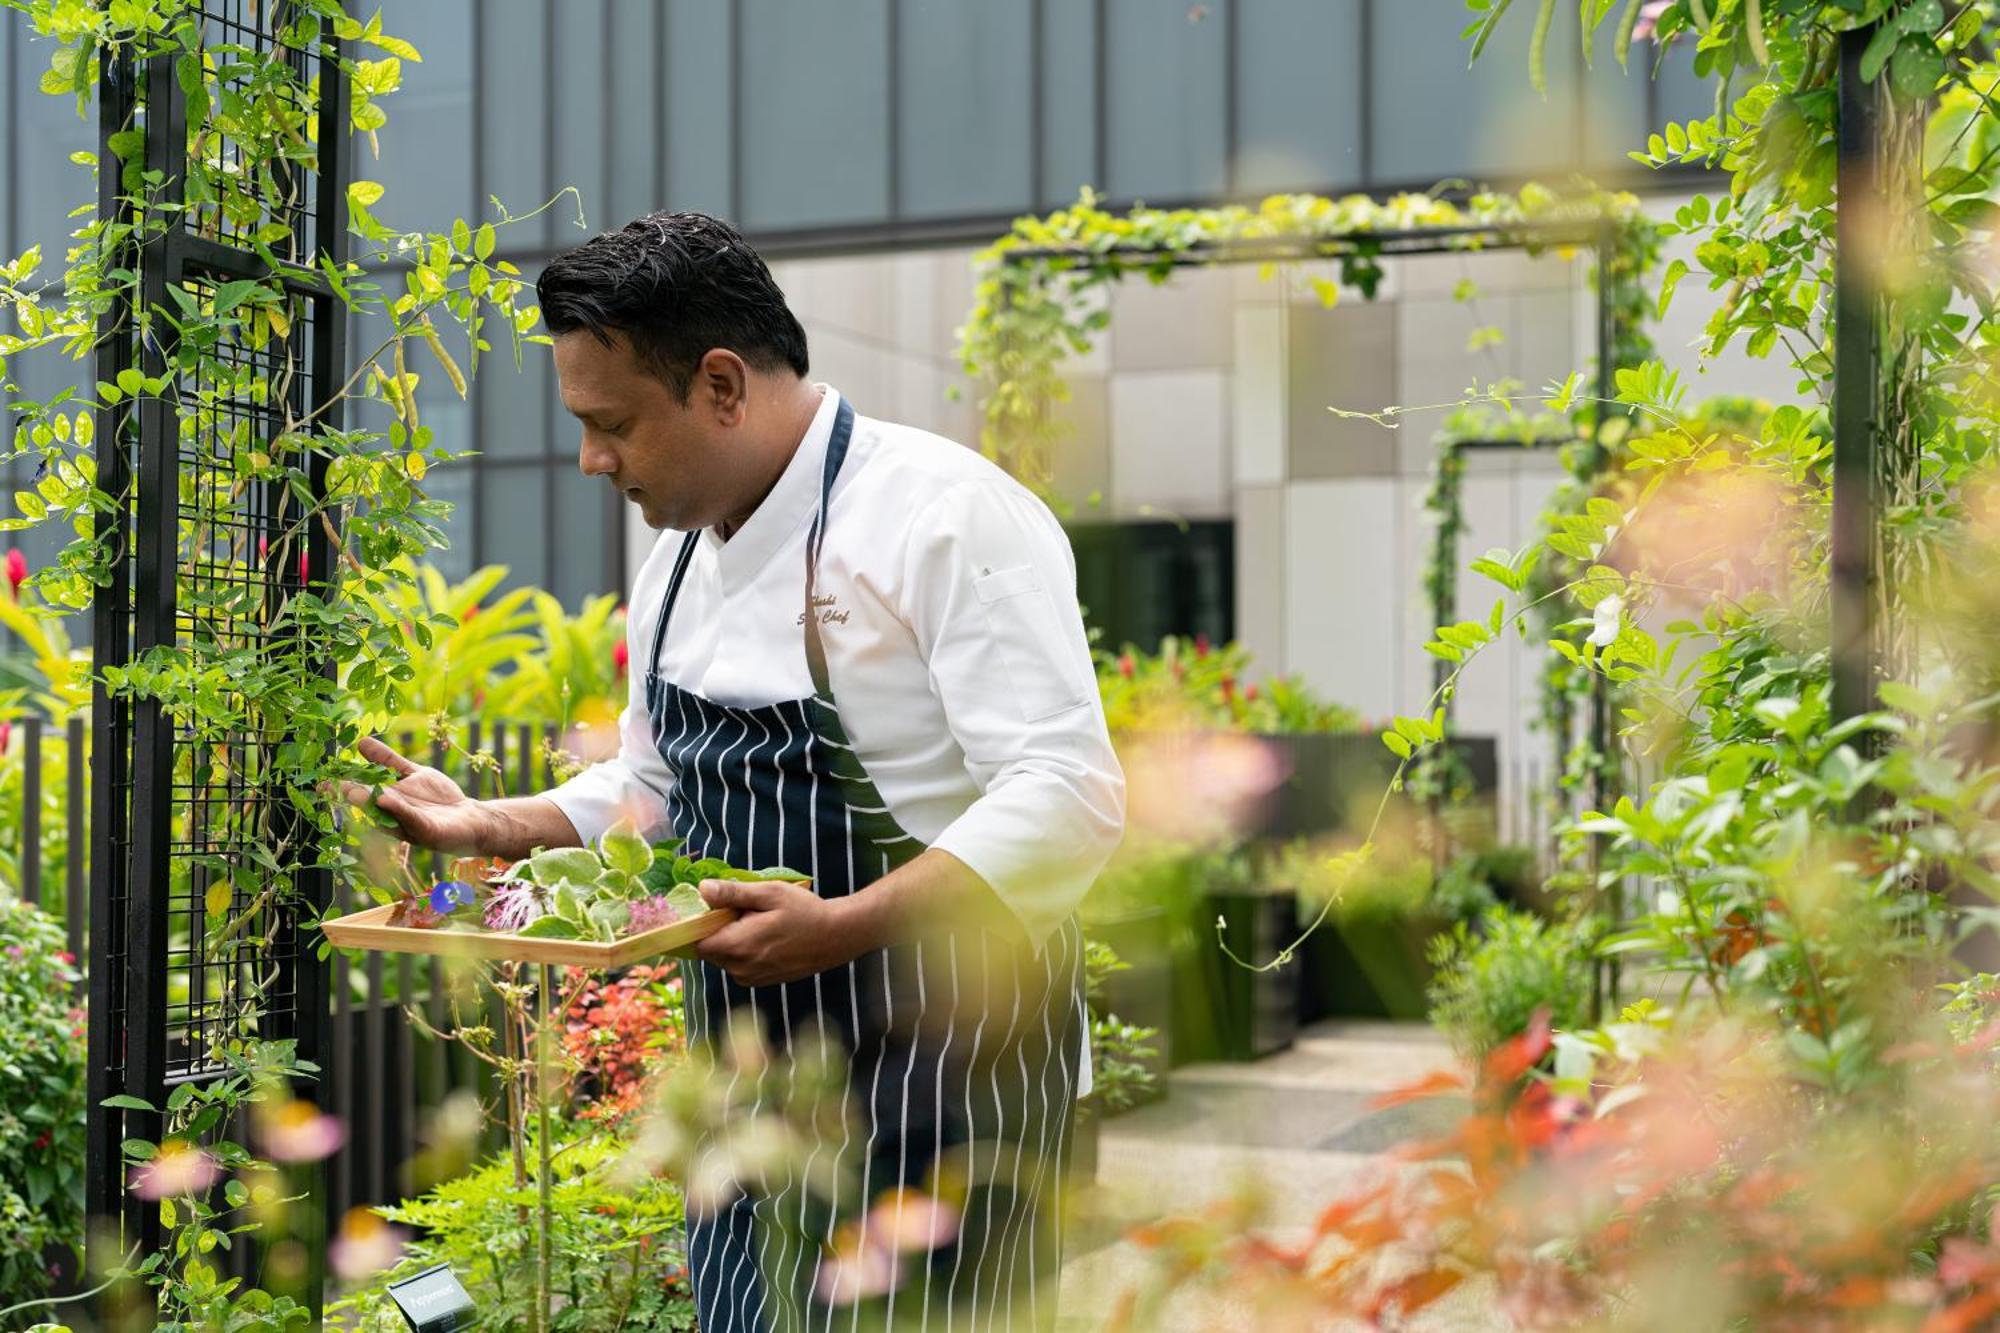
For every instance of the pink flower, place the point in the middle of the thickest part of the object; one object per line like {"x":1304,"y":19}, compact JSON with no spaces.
{"x":621,"y":656}
{"x":6,"y":734}
{"x":650,"y":914}
{"x":17,"y":569}
{"x":297,"y":1131}
{"x":906,"y":1220}
{"x":1649,"y":17}
{"x":856,"y":1267}
{"x":365,"y":1246}
{"x":1201,"y":645}
{"x":514,"y":905}
{"x":178,"y":1168}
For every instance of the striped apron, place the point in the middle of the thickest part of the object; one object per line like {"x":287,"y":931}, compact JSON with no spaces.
{"x":962,"y":1048}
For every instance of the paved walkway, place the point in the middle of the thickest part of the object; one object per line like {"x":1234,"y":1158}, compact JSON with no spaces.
{"x":1297,"y":1126}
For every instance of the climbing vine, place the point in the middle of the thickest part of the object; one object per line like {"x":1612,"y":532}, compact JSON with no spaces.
{"x":243,"y":682}
{"x":1036,"y":302}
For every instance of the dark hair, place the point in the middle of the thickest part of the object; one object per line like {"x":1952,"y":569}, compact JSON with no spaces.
{"x":677,"y":285}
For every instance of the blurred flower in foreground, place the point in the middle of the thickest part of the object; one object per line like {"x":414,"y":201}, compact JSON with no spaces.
{"x":1196,"y":787}
{"x":365,"y":1246}
{"x":909,"y":1220}
{"x":858,"y":1264}
{"x":297,"y":1131}
{"x":178,"y":1168}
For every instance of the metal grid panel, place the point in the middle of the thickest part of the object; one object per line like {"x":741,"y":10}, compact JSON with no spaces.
{"x":207,"y":557}
{"x":242,"y":192}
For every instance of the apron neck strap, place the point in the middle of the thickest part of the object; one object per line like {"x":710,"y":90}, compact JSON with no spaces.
{"x":836,"y":454}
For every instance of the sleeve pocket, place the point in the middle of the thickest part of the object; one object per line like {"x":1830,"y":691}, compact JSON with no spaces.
{"x":1022,"y":619}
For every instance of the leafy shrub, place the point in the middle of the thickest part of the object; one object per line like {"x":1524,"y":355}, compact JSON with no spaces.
{"x":1491,"y":980}
{"x":1121,"y":1053}
{"x":42,"y":1101}
{"x":619,"y":1032}
{"x":1188,"y":684}
{"x":617,"y":1258}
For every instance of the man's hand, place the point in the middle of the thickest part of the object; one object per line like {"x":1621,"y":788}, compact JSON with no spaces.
{"x":430,"y":809}
{"x":783,"y":932}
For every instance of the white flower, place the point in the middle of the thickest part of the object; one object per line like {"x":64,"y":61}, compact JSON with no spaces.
{"x":1605,"y":621}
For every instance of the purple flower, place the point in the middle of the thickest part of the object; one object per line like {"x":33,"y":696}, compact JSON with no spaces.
{"x":451,"y":895}
{"x":650,"y":914}
{"x":514,"y":905}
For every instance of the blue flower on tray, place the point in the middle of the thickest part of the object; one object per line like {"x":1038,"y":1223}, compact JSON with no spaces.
{"x":451,"y":895}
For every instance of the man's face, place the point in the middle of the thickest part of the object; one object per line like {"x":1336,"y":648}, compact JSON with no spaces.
{"x":672,"y":459}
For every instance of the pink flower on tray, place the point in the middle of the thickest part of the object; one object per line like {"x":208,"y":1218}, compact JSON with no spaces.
{"x":514,"y":905}
{"x":651,"y":914}
{"x":178,"y":1168}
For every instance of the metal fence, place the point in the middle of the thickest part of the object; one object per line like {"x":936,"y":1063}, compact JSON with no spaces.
{"x":385,"y":1073}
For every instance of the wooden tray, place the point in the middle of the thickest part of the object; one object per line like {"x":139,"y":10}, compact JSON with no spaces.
{"x":371,"y":931}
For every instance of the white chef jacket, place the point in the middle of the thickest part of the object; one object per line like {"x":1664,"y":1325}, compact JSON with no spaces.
{"x":954,"y":647}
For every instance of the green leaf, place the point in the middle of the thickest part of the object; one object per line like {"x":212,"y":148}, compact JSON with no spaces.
{"x":127,"y":1102}
{"x":625,"y":851}
{"x":1915,"y":69}
{"x":365,"y":193}
{"x":1877,"y":52}
{"x":564,"y":865}
{"x":549,"y":928}
{"x":1397,"y":745}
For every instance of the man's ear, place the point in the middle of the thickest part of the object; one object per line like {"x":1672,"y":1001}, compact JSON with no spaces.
{"x":723,"y":381}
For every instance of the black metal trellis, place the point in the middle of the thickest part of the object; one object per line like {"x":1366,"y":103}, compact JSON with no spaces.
{"x":1855,"y":351}
{"x":199,"y":560}
{"x":1598,"y":233}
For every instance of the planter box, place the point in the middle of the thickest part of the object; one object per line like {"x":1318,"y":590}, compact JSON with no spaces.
{"x":1368,"y":968}
{"x":1223,"y":1011}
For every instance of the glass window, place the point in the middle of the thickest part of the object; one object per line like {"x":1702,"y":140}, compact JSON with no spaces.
{"x":46,"y":130}
{"x":589,"y":536}
{"x":965,"y":73}
{"x":1165,"y":109}
{"x":514,"y":114}
{"x":579,"y":100}
{"x":815,"y":105}
{"x":637,"y":109}
{"x":1432,"y":118}
{"x":513,"y":521}
{"x":514,"y":404}
{"x":1069,"y":102}
{"x":426,"y":161}
{"x":1298,"y":94}
{"x":698,"y":63}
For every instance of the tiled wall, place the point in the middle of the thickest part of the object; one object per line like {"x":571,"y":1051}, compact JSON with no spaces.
{"x":1208,"y":397}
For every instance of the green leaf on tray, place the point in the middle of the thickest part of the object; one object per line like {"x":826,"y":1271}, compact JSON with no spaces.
{"x":549,"y":928}
{"x":686,"y":900}
{"x":626,"y":851}
{"x":563,"y":865}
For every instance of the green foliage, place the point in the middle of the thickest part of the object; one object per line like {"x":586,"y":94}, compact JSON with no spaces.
{"x":617,"y":1252}
{"x":41,"y":1101}
{"x":1495,"y":976}
{"x":1121,"y":1053}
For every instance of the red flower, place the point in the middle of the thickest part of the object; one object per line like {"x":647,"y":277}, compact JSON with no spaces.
{"x":305,"y":571}
{"x":17,"y":568}
{"x":6,"y":734}
{"x":42,"y":1140}
{"x":621,"y":655}
{"x":1126,"y":666}
{"x":1201,"y":645}
{"x":1250,"y":692}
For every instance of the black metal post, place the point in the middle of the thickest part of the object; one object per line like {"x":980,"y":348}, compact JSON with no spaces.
{"x":111,"y":627}
{"x":1855,"y":353}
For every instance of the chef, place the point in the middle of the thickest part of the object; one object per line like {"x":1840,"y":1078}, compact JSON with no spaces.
{"x":857,"y":652}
